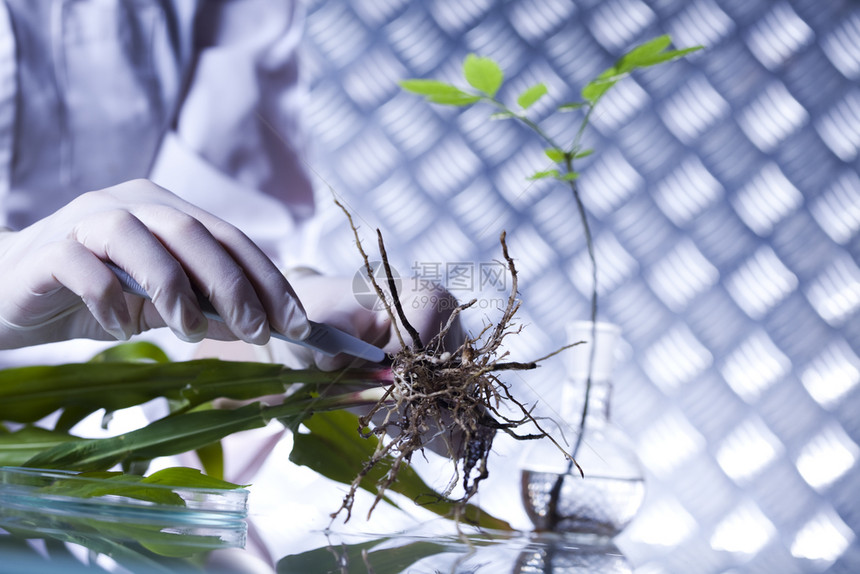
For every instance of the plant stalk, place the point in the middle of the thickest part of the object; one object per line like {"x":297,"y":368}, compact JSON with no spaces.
{"x":555,"y":493}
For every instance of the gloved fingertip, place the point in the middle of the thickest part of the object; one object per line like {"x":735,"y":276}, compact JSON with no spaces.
{"x":186,"y":320}
{"x":194,"y":325}
{"x":296,"y":324}
{"x":115,"y":321}
{"x":119,"y":333}
{"x":298,"y":330}
{"x":190,"y":336}
{"x":259,"y":335}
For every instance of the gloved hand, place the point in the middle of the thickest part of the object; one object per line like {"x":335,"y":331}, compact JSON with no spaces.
{"x":332,"y":300}
{"x":55,"y":285}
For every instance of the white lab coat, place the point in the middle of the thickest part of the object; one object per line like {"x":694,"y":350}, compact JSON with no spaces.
{"x":200,"y":96}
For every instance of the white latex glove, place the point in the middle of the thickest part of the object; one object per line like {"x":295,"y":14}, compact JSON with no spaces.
{"x":55,"y":285}
{"x":332,"y":300}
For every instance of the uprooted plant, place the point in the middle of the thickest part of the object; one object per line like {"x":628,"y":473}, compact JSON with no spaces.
{"x":453,"y":395}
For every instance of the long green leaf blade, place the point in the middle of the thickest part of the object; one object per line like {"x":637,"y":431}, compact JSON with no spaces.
{"x":27,"y":394}
{"x":164,"y":437}
{"x":22,"y":445}
{"x":180,"y":433}
{"x":439,"y":92}
{"x":336,"y":450}
{"x":212,"y":458}
{"x":177,"y":476}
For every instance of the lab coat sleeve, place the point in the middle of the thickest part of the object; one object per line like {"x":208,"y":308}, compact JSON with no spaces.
{"x":236,"y":146}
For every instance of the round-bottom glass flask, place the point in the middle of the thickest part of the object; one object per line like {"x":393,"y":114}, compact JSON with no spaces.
{"x":605,"y":496}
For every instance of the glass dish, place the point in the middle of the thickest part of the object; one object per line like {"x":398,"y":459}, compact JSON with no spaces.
{"x":55,"y":503}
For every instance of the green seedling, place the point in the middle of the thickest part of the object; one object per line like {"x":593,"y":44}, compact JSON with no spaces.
{"x":485,"y":78}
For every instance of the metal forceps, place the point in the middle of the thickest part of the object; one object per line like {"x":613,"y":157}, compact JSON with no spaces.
{"x":324,"y":338}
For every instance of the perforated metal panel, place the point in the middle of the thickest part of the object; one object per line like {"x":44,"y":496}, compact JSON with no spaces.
{"x":725,"y":198}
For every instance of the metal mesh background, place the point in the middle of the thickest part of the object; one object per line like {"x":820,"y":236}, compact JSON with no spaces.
{"x":725,"y":199}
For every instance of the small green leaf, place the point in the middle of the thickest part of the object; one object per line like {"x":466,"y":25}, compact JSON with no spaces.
{"x":640,"y":55}
{"x":648,"y":54}
{"x":571,"y":106}
{"x":594,"y":90}
{"x":427,"y":87}
{"x":569,"y":176}
{"x":651,"y":53}
{"x":440,"y":92}
{"x":543,"y":174}
{"x":555,"y":154}
{"x":531,"y":95}
{"x":502,"y":115}
{"x":583,"y":153}
{"x":483,"y":74}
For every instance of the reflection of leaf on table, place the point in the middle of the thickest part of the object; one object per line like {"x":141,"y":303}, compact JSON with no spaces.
{"x":15,"y":550}
{"x":16,"y":546}
{"x":152,"y":550}
{"x":136,"y":547}
{"x":332,"y":559}
{"x":95,"y":510}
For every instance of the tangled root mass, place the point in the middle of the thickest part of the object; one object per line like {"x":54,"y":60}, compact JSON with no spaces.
{"x":440,"y":394}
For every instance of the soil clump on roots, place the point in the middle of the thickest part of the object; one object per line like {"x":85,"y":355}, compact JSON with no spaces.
{"x":452,"y":395}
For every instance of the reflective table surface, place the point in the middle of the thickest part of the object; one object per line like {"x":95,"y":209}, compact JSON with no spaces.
{"x":36,"y":541}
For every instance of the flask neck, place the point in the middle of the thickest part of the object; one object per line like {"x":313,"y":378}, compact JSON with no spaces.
{"x":588,"y":389}
{"x":599,"y":397}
